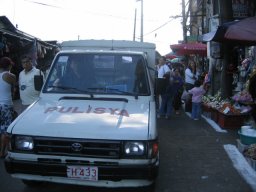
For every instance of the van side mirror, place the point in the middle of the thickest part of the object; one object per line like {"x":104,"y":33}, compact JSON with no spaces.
{"x":38,"y":82}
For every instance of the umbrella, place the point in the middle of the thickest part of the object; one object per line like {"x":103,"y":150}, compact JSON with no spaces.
{"x":239,"y":31}
{"x":189,"y":48}
{"x":176,"y":60}
{"x":170,"y":56}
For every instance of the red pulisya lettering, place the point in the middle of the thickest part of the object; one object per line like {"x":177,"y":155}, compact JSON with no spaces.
{"x":90,"y":109}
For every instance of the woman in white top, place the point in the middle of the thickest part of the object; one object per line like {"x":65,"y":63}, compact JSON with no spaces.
{"x":162,"y":68}
{"x":7,"y":81}
{"x":190,"y":75}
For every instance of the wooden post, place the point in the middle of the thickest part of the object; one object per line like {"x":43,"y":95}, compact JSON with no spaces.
{"x":226,"y":15}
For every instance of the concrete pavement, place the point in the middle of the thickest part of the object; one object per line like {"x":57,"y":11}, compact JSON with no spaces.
{"x":201,"y":157}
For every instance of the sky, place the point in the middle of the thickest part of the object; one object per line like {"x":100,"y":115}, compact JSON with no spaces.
{"x":63,"y":20}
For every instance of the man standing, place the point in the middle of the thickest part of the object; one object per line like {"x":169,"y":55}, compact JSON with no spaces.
{"x":28,"y":94}
{"x":167,"y":96}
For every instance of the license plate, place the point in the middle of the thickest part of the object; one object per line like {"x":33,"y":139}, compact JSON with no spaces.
{"x":83,"y":172}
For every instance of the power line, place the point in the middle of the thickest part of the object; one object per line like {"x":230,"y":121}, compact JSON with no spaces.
{"x":161,"y":26}
{"x":75,"y":10}
{"x":44,"y":4}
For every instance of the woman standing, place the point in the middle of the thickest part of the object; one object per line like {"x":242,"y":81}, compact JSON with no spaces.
{"x":190,"y":78}
{"x":7,"y":81}
{"x":190,"y":75}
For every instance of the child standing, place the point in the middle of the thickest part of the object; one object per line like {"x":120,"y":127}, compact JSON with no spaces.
{"x":197,"y":93}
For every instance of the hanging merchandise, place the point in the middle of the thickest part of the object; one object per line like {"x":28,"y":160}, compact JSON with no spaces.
{"x":33,"y":52}
{"x":7,"y":50}
{"x":1,"y":45}
{"x":252,"y":85}
{"x":1,"y":48}
{"x":39,"y":50}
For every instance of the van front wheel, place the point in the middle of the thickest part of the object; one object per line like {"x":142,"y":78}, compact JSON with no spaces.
{"x":31,"y":183}
{"x":150,"y":188}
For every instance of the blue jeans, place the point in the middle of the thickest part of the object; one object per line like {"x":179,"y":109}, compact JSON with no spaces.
{"x":166,"y":105}
{"x":196,"y":110}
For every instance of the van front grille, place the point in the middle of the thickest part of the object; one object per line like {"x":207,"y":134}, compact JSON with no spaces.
{"x":78,"y":147}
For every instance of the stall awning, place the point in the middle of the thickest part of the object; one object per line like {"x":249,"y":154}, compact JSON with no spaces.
{"x":240,"y":32}
{"x":189,"y":48}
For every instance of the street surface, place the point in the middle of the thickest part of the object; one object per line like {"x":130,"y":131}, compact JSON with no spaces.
{"x":192,"y":159}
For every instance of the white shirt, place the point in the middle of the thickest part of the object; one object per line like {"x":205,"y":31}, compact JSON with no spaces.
{"x":163,"y":70}
{"x":5,"y":90}
{"x":189,"y":76}
{"x":28,"y":94}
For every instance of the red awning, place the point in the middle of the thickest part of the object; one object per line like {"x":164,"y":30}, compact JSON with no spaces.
{"x":189,"y":49}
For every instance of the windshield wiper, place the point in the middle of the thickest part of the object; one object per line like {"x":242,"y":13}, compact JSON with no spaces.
{"x":113,"y":90}
{"x":76,"y":90}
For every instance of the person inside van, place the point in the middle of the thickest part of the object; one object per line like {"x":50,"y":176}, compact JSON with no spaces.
{"x":75,"y":75}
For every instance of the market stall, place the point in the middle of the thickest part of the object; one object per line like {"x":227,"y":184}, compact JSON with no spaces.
{"x":229,"y":113}
{"x":15,"y":43}
{"x":239,"y":35}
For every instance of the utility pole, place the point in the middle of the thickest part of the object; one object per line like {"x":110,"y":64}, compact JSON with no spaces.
{"x":185,"y":16}
{"x":141,"y":32}
{"x":134,"y":28}
{"x":141,"y":18}
{"x":184,"y":22}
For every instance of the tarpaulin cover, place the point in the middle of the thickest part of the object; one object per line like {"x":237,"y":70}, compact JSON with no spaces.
{"x":241,"y":32}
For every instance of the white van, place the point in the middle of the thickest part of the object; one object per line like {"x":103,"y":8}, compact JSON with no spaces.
{"x":97,"y":128}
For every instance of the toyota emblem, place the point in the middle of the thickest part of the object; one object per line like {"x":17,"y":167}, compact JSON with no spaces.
{"x":76,"y":147}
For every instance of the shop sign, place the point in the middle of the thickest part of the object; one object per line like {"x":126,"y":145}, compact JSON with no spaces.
{"x":192,"y":38}
{"x":242,"y":8}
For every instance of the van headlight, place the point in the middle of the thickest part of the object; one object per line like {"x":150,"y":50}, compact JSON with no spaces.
{"x":134,"y":149}
{"x":24,"y":143}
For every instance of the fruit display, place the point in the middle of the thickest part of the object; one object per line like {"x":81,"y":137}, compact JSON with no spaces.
{"x":231,"y":106}
{"x":251,"y":151}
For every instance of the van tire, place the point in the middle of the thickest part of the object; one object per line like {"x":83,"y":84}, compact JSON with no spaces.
{"x":31,"y":183}
{"x":150,"y":188}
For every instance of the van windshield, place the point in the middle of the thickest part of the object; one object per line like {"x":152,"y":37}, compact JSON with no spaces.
{"x":99,"y":74}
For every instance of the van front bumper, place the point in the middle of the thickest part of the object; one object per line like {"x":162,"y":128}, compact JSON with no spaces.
{"x":108,"y":174}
